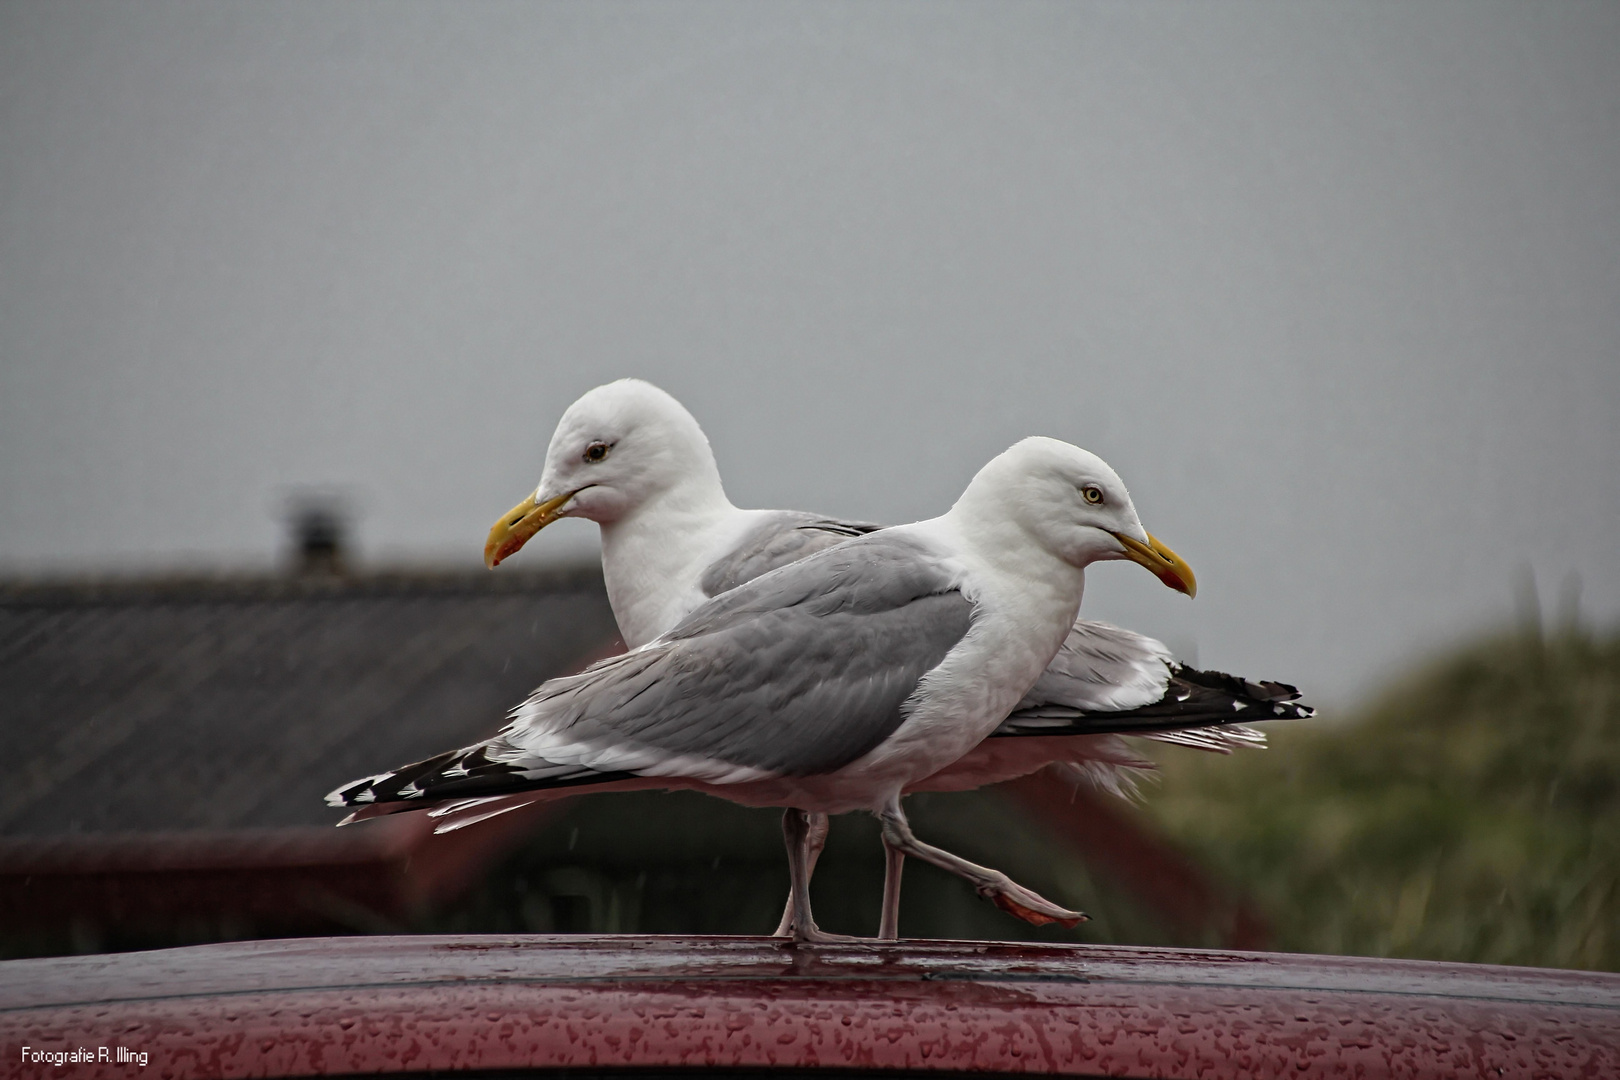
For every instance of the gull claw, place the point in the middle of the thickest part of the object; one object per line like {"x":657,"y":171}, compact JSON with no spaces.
{"x":817,"y":936}
{"x":1030,"y":906}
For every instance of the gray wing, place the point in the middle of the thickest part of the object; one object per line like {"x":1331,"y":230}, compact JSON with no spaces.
{"x":780,"y":538}
{"x":797,"y":672}
{"x":1104,"y":679}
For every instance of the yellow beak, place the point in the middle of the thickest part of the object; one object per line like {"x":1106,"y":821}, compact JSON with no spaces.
{"x":1169,"y":566}
{"x":515,"y":526}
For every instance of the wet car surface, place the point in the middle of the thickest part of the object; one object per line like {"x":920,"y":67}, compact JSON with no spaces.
{"x":595,"y":1006}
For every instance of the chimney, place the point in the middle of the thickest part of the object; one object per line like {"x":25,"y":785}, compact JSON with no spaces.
{"x":318,"y":540}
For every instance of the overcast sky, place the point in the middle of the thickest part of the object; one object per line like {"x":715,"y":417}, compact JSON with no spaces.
{"x":1334,"y":287}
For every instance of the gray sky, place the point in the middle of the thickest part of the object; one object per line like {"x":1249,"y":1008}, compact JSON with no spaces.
{"x":1335,"y":287}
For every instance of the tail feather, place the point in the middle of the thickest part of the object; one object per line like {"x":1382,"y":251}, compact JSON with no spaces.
{"x":1218,"y":740}
{"x":1120,"y":781}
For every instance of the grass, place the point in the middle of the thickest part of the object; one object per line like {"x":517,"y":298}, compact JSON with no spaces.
{"x":1472,"y":813}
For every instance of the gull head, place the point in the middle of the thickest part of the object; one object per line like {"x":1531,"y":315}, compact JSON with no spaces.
{"x":1068,"y":502}
{"x":616,"y":449}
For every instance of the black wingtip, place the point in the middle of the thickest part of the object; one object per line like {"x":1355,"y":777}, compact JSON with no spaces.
{"x":1193,"y":699}
{"x":457,"y":774}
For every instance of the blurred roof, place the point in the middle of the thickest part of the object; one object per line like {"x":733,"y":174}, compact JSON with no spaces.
{"x":238,"y":703}
{"x":172,"y":741}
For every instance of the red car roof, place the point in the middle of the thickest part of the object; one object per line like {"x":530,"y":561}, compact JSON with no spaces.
{"x":327,"y":1007}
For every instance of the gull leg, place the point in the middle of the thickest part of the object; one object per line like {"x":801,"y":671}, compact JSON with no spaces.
{"x":993,"y":885}
{"x":894,"y":861}
{"x":815,"y":839}
{"x":796,"y":829}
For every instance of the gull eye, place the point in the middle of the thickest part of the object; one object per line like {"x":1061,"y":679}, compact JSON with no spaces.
{"x":596,"y":451}
{"x":1093,"y":494}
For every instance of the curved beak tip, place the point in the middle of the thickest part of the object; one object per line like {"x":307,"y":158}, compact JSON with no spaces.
{"x":515,"y":527}
{"x":1180,"y":584}
{"x":1166,"y":565}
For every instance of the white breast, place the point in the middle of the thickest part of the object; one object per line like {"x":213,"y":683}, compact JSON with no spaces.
{"x":652,"y":564}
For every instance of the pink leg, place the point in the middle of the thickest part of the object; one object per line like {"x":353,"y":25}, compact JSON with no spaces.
{"x":993,"y":885}
{"x":805,"y":834}
{"x":894,"y":862}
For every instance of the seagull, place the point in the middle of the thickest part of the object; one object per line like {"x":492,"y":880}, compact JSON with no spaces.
{"x":630,"y":457}
{"x":835,"y":682}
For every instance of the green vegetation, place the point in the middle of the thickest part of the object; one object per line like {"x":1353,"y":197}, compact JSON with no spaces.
{"x":1471,"y":814}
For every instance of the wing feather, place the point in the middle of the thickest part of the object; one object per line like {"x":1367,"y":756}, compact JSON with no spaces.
{"x":781,"y":537}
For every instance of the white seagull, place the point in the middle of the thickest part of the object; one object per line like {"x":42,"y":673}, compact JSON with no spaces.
{"x":833,"y":683}
{"x":630,"y":457}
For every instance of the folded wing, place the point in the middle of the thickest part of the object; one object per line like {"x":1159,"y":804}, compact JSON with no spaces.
{"x":798,"y":672}
{"x":1104,"y":679}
